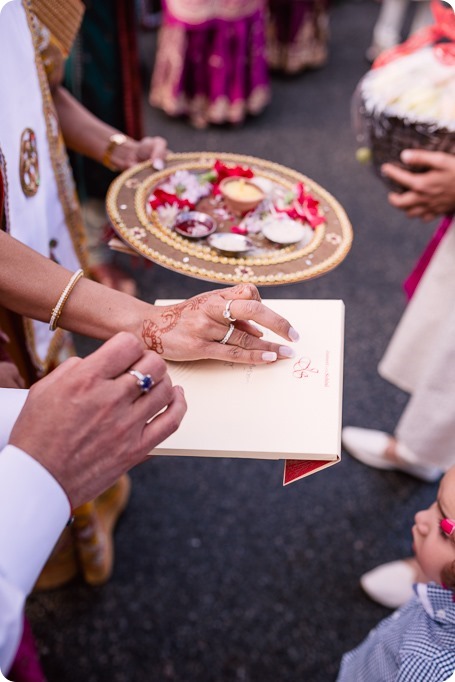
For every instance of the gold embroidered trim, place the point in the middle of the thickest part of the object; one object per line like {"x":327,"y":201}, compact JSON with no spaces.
{"x":63,"y":20}
{"x":58,"y":338}
{"x":65,"y":186}
{"x":59,"y":158}
{"x":4,"y":224}
{"x":29,"y":163}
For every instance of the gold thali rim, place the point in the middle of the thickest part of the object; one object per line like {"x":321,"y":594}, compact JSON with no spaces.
{"x":203,"y":159}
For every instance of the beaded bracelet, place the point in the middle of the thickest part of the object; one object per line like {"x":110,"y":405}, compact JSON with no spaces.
{"x":57,"y":310}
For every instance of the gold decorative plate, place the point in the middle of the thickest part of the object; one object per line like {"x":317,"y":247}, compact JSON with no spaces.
{"x":265,"y":265}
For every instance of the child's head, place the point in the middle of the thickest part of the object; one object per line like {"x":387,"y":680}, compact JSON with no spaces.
{"x":434,"y":543}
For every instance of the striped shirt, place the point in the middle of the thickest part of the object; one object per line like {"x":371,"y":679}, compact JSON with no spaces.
{"x":415,"y":644}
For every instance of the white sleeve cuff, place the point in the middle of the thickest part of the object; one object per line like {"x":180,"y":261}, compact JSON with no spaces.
{"x":34,"y":510}
{"x":12,"y":401}
{"x":11,"y":623}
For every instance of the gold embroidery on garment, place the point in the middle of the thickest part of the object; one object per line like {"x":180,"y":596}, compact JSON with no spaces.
{"x":63,"y":20}
{"x":59,"y":158}
{"x":62,"y":173}
{"x":58,"y":339}
{"x":28,"y":163}
{"x":4,"y":224}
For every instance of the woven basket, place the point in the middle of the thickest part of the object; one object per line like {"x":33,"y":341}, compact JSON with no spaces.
{"x":387,"y":136}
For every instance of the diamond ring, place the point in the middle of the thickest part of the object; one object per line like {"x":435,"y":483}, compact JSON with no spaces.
{"x":227,"y":312}
{"x":228,"y":334}
{"x":144,"y":381}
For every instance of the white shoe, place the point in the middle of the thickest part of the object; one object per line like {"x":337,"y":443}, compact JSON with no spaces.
{"x":373,"y":52}
{"x":370,"y":446}
{"x":390,"y":584}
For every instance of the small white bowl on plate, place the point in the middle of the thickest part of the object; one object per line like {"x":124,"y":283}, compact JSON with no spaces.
{"x":286,"y":231}
{"x":194,"y":224}
{"x":230,"y":242}
{"x":265,"y":184}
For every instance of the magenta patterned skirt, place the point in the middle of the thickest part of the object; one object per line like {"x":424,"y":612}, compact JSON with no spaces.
{"x":214,"y":71}
{"x":298,"y":32}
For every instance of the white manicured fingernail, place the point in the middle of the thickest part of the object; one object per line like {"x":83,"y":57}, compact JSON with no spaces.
{"x":158,"y":164}
{"x":286,"y":352}
{"x":293,"y":334}
{"x":268,"y":356}
{"x":406,"y":155}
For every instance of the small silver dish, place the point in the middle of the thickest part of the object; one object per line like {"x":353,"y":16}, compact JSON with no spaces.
{"x":229,"y":242}
{"x":286,"y":231}
{"x":194,"y":224}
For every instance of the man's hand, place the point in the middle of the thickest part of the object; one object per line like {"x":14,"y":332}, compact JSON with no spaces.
{"x":88,"y":421}
{"x":430,"y":193}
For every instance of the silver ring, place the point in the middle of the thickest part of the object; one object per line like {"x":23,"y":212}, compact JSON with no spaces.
{"x":227,"y":312}
{"x":144,"y":381}
{"x":228,"y":334}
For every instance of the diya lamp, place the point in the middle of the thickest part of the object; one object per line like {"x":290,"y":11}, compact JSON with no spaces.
{"x":241,"y":194}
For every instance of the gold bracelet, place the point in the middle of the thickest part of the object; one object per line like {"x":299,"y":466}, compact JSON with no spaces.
{"x":57,"y":311}
{"x":115,"y":140}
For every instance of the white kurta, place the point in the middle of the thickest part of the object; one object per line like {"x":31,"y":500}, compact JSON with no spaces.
{"x":40,"y":509}
{"x":420,"y":359}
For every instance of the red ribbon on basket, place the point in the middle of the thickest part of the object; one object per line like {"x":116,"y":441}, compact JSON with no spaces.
{"x":442,"y":29}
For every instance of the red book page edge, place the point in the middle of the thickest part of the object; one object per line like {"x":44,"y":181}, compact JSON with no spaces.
{"x":295,"y":469}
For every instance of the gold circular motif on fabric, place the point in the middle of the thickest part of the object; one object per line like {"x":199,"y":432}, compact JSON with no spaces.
{"x":28,"y":163}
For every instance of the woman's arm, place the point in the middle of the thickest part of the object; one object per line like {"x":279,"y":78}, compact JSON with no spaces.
{"x":88,"y":135}
{"x":31,"y":284}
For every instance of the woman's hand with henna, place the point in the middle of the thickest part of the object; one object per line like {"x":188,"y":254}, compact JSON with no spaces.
{"x":196,"y":329}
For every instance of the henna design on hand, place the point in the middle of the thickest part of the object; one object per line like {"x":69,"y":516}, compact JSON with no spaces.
{"x":152,"y":332}
{"x":151,"y":336}
{"x":196,"y":302}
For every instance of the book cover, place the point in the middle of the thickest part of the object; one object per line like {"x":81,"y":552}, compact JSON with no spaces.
{"x":290,"y":409}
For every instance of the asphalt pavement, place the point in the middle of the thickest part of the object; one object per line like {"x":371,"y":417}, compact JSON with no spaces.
{"x":221,"y":574}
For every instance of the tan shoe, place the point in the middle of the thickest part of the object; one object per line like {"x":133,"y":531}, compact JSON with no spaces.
{"x":87,"y":546}
{"x":93,"y":529}
{"x":62,"y":565}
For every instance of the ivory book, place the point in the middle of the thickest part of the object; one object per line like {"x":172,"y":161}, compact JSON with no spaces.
{"x":290,"y":409}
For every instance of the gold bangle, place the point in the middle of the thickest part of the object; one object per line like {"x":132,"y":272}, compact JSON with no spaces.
{"x":57,"y":310}
{"x":115,"y":140}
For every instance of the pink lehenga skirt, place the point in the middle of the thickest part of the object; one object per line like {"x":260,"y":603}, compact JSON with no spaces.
{"x":211,"y":60}
{"x":297,"y":34}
